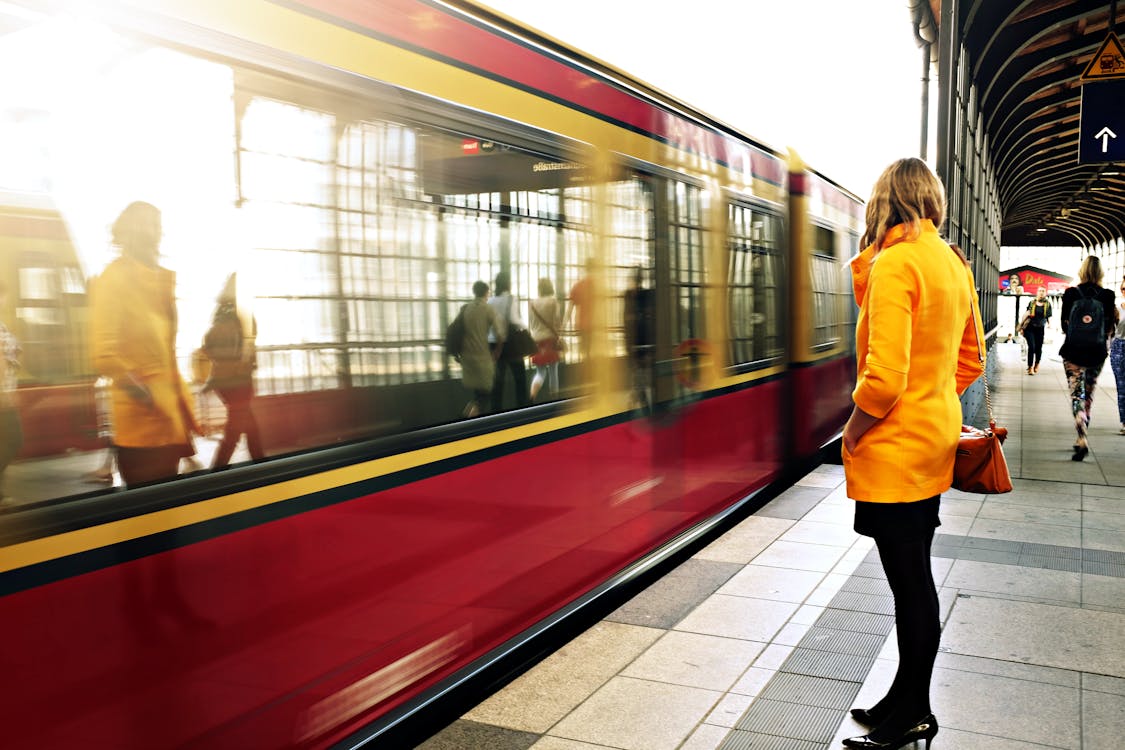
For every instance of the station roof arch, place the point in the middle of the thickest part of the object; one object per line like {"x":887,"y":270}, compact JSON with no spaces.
{"x":1025,"y":61}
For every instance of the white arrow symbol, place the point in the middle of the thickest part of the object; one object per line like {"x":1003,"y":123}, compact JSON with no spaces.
{"x":1105,"y":134}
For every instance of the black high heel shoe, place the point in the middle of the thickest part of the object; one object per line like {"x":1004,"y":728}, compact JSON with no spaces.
{"x":869,"y":717}
{"x":926,"y":729}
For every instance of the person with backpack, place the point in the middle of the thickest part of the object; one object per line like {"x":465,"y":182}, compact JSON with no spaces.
{"x":1087,"y":322}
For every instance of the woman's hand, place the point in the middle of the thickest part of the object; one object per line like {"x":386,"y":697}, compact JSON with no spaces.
{"x":858,"y":425}
{"x":137,"y":390}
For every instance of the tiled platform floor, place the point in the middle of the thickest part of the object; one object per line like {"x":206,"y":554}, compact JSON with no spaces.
{"x":765,"y":638}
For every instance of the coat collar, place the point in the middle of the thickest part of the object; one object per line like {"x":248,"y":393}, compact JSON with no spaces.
{"x":861,"y":264}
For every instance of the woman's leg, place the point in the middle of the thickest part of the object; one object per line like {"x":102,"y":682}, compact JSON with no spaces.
{"x":1076,"y":381}
{"x":906,"y":563}
{"x":1117,"y":363}
{"x":1035,"y":347}
{"x":1029,"y":334}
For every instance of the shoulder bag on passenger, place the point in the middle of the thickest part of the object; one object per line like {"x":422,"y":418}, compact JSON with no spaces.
{"x":455,"y":335}
{"x":1086,"y":324}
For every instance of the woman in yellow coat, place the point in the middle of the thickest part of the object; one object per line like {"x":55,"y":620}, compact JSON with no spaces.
{"x":133,"y":330}
{"x":916,"y":347}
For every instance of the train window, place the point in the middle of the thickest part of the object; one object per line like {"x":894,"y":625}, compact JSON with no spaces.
{"x":631,"y":258}
{"x":686,"y":256}
{"x":754,"y":279}
{"x":829,"y":307}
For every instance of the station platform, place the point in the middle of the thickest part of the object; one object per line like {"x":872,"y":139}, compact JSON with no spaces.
{"x":764,"y":639}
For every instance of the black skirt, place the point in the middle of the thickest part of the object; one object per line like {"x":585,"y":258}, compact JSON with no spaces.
{"x":903,"y":520}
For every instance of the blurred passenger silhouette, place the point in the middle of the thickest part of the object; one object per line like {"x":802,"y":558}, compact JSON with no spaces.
{"x":579,"y":312}
{"x":11,"y":434}
{"x":506,"y":306}
{"x":640,"y":322}
{"x":230,"y":345}
{"x":133,"y":340}
{"x":104,"y":473}
{"x":544,"y":324}
{"x":478,"y":358}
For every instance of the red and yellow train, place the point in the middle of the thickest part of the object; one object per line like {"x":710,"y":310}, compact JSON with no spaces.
{"x":360,"y":165}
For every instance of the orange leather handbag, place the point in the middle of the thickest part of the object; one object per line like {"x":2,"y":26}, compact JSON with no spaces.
{"x":980,"y":466}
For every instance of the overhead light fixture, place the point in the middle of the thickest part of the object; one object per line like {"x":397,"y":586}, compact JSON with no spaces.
{"x":1041,"y":229}
{"x":1099,"y":186}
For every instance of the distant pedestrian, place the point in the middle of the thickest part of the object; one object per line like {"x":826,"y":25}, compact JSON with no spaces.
{"x":1088,"y":321}
{"x":1034,"y":327}
{"x":506,"y":306}
{"x":1117,"y":357}
{"x":544,"y":323}
{"x":918,"y":322}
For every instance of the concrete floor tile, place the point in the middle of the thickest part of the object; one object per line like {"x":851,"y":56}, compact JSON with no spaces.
{"x":791,"y":634}
{"x":1104,"y":491}
{"x":778,"y":584}
{"x":1030,"y":486}
{"x":1007,"y":708}
{"x":1103,"y":721}
{"x":999,"y":668}
{"x":669,"y":599}
{"x":815,"y":532}
{"x":959,"y":525}
{"x":800,"y":556}
{"x":1096,"y":504}
{"x":706,"y":737}
{"x":1029,"y":633}
{"x":807,"y":615}
{"x":470,"y":734}
{"x":730,"y":710}
{"x":955,"y":739}
{"x":745,"y":541}
{"x":1103,"y":591}
{"x":738,"y":617}
{"x":954,"y":506}
{"x":558,"y":743}
{"x":695,"y":660}
{"x":753,"y":680}
{"x":1002,"y":511}
{"x":1100,"y":683}
{"x":989,"y":528}
{"x":543,"y":695}
{"x":773,"y":657}
{"x":1013,"y":580}
{"x":1100,"y":539}
{"x":1092,"y":519}
{"x":822,"y":480}
{"x":638,"y":715}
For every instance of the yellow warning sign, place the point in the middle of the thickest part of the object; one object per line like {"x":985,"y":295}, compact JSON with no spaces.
{"x":1108,"y":62}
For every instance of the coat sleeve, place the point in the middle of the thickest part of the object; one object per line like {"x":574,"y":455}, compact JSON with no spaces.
{"x":969,"y":365}
{"x":891,"y":298}
{"x":107,"y":326}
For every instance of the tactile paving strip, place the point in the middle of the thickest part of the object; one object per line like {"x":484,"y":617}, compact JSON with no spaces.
{"x":790,"y":720}
{"x":740,"y":740}
{"x":842,"y":642}
{"x":811,"y":691}
{"x":857,"y":622}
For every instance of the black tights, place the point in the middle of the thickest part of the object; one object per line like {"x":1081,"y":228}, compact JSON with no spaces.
{"x":906,"y":563}
{"x":1034,"y":338}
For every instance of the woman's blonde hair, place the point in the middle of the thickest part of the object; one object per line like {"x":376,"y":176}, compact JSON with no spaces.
{"x":906,"y":193}
{"x":1090,"y":272}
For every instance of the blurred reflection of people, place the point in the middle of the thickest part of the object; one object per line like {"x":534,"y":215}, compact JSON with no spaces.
{"x":579,"y":314}
{"x":230,"y":345}
{"x":104,"y":473}
{"x":478,"y":358}
{"x":639,"y":336}
{"x":506,"y":306}
{"x":11,"y":434}
{"x":133,"y":339}
{"x":544,"y":324}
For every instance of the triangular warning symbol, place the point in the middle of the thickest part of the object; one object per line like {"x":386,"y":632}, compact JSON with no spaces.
{"x":1108,"y":62}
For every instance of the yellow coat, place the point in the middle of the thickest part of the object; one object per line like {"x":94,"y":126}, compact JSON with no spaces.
{"x":916,"y":354}
{"x":133,"y":330}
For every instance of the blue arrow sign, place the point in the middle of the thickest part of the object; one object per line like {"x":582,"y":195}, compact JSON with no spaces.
{"x":1101,"y":131}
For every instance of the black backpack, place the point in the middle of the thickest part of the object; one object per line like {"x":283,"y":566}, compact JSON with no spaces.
{"x":1086,"y":324}
{"x":455,"y":335}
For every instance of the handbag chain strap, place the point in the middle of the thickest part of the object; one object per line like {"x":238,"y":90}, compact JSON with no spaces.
{"x":980,"y":356}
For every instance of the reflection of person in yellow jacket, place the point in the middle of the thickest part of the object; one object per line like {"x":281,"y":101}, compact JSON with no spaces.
{"x":133,"y":328}
{"x":916,"y":348}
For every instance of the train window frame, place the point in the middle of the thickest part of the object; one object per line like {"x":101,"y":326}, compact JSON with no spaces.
{"x":777,"y":270}
{"x":829,"y":321}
